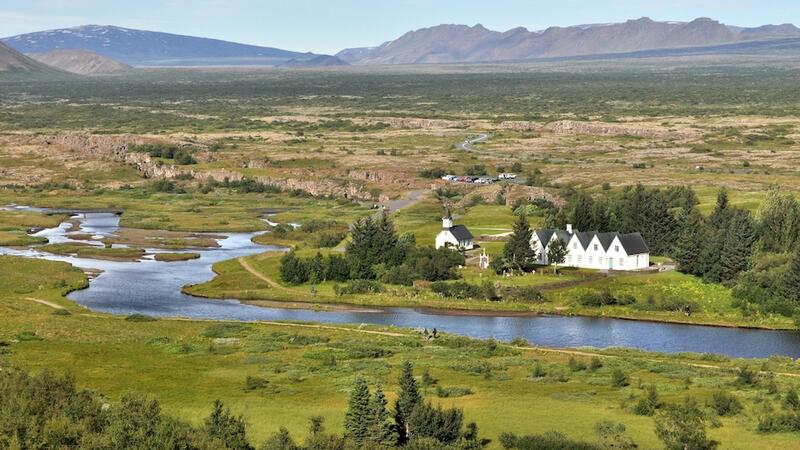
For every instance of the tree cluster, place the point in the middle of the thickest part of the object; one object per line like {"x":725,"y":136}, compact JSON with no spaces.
{"x":375,"y":252}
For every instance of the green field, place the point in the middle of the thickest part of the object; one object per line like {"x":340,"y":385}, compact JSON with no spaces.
{"x":188,"y":364}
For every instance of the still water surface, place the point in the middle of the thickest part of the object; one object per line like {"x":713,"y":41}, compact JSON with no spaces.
{"x":154,"y":288}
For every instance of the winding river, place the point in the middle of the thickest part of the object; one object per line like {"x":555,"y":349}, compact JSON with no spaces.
{"x":154,"y":288}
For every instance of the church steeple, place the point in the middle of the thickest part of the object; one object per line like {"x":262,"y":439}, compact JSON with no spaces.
{"x":447,"y":220}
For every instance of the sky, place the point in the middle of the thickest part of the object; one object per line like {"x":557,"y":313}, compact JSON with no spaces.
{"x":327,"y":26}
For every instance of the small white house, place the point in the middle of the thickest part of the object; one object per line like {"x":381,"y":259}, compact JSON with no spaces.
{"x":593,"y":250}
{"x":454,"y":236}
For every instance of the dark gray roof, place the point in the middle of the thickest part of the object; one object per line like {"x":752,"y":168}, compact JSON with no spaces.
{"x":544,"y":235}
{"x":584,"y":238}
{"x":633,"y":244}
{"x":606,"y":239}
{"x":461,"y":233}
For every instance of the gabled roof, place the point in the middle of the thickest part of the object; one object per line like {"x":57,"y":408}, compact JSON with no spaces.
{"x":461,"y":233}
{"x":633,"y":244}
{"x":606,"y":239}
{"x":544,"y":236}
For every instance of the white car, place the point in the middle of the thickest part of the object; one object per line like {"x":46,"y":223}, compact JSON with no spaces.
{"x":507,"y":176}
{"x":449,"y":177}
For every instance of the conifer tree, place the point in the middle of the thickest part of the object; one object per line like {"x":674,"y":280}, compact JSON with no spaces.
{"x":789,"y":285}
{"x":293,"y":269}
{"x":381,"y":431}
{"x":738,"y":247}
{"x":517,"y":252}
{"x":715,"y":237}
{"x":582,"y":212}
{"x":230,"y":430}
{"x":360,"y":251}
{"x":359,"y":413}
{"x":689,"y":244}
{"x":407,"y":399}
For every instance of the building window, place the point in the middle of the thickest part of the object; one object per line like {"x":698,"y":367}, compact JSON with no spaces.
{"x":590,"y":259}
{"x":602,"y":260}
{"x":595,"y":247}
{"x":622,"y":262}
{"x":575,"y":246}
{"x":580,"y":259}
{"x":616,"y":248}
{"x":569,"y":259}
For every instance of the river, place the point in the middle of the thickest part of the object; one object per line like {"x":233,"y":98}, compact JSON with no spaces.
{"x":154,"y":288}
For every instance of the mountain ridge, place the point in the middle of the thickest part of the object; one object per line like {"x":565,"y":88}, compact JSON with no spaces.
{"x":454,"y":43}
{"x":80,"y":62}
{"x":148,"y":48}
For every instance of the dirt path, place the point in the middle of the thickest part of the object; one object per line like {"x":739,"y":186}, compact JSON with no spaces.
{"x":45,"y":303}
{"x":272,"y":283}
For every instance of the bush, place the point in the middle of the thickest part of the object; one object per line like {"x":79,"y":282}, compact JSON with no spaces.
{"x":255,"y":383}
{"x":224,"y":330}
{"x":647,"y":405}
{"x":437,"y":172}
{"x":452,"y":391}
{"x":595,"y":364}
{"x":725,"y":404}
{"x":551,"y":440}
{"x":140,"y":318}
{"x":575,"y":365}
{"x":526,"y":294}
{"x":357,"y":287}
{"x":604,"y":298}
{"x":619,"y":379}
{"x":462,"y":290}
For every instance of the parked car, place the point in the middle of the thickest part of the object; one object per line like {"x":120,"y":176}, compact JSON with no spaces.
{"x":449,"y":177}
{"x":507,"y":176}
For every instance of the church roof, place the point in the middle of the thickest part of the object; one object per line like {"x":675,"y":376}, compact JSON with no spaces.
{"x":461,"y":233}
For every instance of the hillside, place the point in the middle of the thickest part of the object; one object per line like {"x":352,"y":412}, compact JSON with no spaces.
{"x":461,"y":43}
{"x":80,"y":62}
{"x":319,"y":61}
{"x":13,"y":61}
{"x":148,"y":48}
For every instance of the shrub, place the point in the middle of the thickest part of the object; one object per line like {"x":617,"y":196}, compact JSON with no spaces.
{"x":224,"y":330}
{"x":255,"y":383}
{"x":619,"y":379}
{"x":725,"y":404}
{"x":538,"y":371}
{"x":551,"y":440}
{"x":28,"y":336}
{"x":452,"y":391}
{"x":604,"y":298}
{"x":140,"y":318}
{"x":647,"y":405}
{"x":330,"y":240}
{"x":575,"y":365}
{"x":437,"y":172}
{"x":595,"y":364}
{"x":526,"y":294}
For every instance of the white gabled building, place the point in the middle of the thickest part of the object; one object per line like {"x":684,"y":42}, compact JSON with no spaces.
{"x":593,"y":250}
{"x":454,"y":236}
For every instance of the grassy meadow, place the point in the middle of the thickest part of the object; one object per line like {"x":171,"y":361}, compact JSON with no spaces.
{"x":309,"y":369}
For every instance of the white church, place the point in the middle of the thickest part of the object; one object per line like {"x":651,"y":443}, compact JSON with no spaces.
{"x":593,"y":250}
{"x":454,"y":236}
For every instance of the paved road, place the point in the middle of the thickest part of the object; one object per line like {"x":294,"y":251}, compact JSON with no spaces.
{"x":411,"y":198}
{"x":467,"y":145}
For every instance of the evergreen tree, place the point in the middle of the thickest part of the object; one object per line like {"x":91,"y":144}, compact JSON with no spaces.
{"x":740,"y":236}
{"x":582,"y":212}
{"x":517,"y":252}
{"x":443,"y":425}
{"x":689,"y":244}
{"x":381,"y":431}
{"x":293,"y":269}
{"x":789,"y":284}
{"x":230,"y":430}
{"x":557,"y":253}
{"x":281,"y":440}
{"x":359,"y":413}
{"x":360,"y":250}
{"x":601,"y":219}
{"x":336,"y":268}
{"x":715,"y":237}
{"x":407,"y":399}
{"x":316,"y":268}
{"x":779,"y":222}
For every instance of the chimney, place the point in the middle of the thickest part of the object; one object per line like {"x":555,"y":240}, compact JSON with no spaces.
{"x":569,"y":228}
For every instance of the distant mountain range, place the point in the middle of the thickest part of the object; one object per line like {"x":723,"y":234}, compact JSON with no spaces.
{"x":440,"y":44}
{"x":318,"y":61}
{"x":465,"y":44}
{"x":149,"y":48}
{"x":81,"y":62}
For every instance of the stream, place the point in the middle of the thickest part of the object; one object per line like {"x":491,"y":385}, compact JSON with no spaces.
{"x":154,"y":288}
